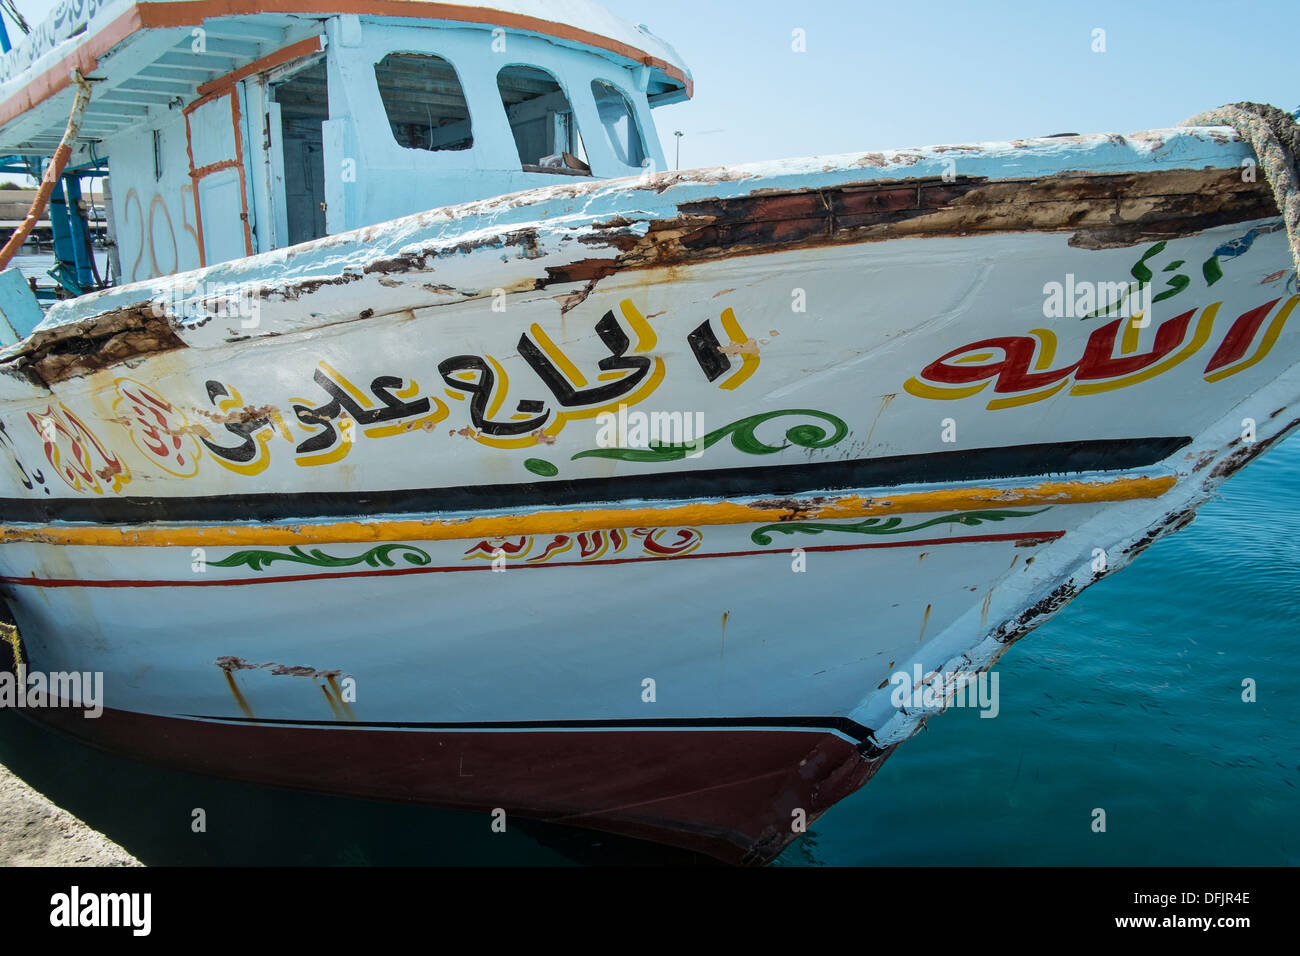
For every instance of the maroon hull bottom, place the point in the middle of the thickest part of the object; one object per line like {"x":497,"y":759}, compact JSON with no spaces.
{"x":731,"y":794}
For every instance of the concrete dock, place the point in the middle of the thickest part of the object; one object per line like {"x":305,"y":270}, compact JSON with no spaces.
{"x":35,"y":832}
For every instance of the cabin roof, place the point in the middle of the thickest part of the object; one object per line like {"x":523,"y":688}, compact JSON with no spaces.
{"x":141,"y":55}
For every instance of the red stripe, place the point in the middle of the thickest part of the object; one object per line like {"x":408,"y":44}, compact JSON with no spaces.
{"x":1239,"y":337}
{"x":1029,"y":539}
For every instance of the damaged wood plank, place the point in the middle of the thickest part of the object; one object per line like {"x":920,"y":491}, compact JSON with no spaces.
{"x":112,"y":338}
{"x":1099,"y":210}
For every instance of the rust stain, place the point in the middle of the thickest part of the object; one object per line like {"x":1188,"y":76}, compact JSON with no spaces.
{"x":347,"y":708}
{"x":239,"y":698}
{"x":334,"y":707}
{"x":228,"y":666}
{"x":793,"y":508}
{"x":237,"y":416}
{"x":575,"y":299}
{"x":1030,"y":541}
{"x":925,"y":621}
{"x":294,"y":291}
{"x":1011,"y":631}
{"x":1174,"y":521}
{"x":884,"y":404}
{"x":1238,"y":459}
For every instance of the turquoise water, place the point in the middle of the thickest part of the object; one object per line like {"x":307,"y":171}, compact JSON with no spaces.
{"x":1130,"y":700}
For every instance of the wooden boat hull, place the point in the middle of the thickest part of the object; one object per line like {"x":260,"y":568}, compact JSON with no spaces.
{"x":622,"y":504}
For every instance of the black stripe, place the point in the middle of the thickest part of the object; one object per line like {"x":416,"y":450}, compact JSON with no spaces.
{"x":975,"y":464}
{"x":864,"y":736}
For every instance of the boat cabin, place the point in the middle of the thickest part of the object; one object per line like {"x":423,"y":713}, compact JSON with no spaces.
{"x":226,"y":128}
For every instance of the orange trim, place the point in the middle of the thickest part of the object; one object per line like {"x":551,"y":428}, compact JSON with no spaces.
{"x":59,"y":77}
{"x":194,"y":190}
{"x":211,"y":168}
{"x":283,"y":55}
{"x":236,"y":163}
{"x":189,"y":13}
{"x":235,"y":117}
{"x":193,"y":12}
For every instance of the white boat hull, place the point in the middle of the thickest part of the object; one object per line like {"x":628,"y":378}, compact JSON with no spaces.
{"x":396,"y":530}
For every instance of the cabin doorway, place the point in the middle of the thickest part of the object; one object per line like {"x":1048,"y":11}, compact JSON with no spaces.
{"x":300,"y":104}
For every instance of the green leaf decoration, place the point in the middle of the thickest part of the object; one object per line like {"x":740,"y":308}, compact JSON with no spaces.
{"x":380,"y":556}
{"x":743,"y":438}
{"x":539,"y":466}
{"x":892,"y":525}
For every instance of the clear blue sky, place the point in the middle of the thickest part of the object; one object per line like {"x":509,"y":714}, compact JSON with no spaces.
{"x":879,"y":75}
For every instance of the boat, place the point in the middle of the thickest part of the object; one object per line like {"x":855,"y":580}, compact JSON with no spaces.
{"x":440,"y":444}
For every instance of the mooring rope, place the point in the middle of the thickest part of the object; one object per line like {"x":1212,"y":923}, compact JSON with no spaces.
{"x":9,"y":635}
{"x":1275,"y":137}
{"x":52,"y":172}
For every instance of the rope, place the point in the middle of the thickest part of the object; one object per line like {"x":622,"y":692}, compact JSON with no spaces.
{"x":52,"y":172}
{"x":9,"y":635}
{"x":1275,"y":137}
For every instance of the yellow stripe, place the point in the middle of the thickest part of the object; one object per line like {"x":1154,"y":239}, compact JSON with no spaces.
{"x":646,"y":339}
{"x":347,"y":436}
{"x":594,"y":519}
{"x":1128,"y":342}
{"x":914,"y":386}
{"x":748,"y":360}
{"x":347,"y":386}
{"x":1046,"y":348}
{"x":1199,"y":338}
{"x":1031,"y":397}
{"x":502,"y":386}
{"x":555,"y":355}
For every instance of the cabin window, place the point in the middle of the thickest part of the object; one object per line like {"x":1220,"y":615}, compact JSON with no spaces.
{"x":542,"y":122}
{"x":619,"y":121}
{"x":424,"y":101}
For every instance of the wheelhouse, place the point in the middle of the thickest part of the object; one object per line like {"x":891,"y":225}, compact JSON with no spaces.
{"x":224,"y":128}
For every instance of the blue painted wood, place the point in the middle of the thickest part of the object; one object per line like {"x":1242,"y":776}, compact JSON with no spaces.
{"x":19,"y":311}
